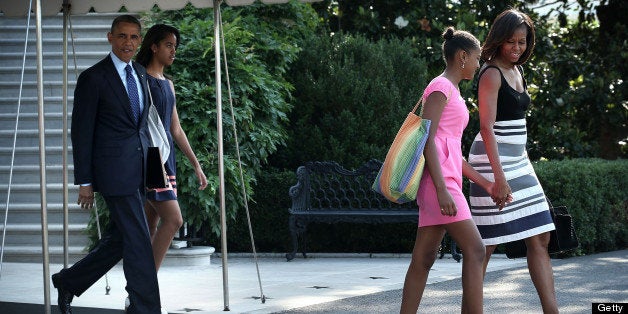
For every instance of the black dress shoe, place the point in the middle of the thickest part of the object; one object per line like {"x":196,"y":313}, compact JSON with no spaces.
{"x":64,"y":298}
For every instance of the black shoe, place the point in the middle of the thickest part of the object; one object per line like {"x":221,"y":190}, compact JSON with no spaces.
{"x":64,"y":298}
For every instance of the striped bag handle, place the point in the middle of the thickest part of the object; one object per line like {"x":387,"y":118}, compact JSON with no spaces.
{"x":418,"y":104}
{"x":422,"y":105}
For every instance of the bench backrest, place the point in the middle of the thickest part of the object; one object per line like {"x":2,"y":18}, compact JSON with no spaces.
{"x":325,"y":185}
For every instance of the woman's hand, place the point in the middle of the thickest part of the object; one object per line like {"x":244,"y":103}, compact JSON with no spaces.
{"x":446,"y":202}
{"x":501,"y":193}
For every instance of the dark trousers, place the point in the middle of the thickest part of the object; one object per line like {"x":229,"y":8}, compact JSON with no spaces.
{"x":127,"y":238}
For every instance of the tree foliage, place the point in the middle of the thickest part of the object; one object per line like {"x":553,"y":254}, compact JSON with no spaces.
{"x":350,"y":98}
{"x":579,"y":88}
{"x":260,"y":42}
{"x":422,"y":19}
{"x":576,"y":75}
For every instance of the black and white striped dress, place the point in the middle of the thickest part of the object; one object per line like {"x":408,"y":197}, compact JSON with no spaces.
{"x":528,"y":214}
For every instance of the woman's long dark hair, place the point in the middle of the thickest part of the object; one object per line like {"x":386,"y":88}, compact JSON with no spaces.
{"x":502,"y":29}
{"x":155,"y":34}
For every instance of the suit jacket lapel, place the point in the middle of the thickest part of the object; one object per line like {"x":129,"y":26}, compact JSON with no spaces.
{"x":141,"y":74}
{"x":112,"y":76}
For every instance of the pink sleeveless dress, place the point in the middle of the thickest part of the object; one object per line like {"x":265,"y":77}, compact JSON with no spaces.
{"x":448,"y":142}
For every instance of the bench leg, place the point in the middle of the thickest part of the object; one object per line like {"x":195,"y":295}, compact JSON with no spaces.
{"x":304,"y":241}
{"x":293,"y":234}
{"x":441,"y":249}
{"x":454,"y":251}
{"x":297,"y":230}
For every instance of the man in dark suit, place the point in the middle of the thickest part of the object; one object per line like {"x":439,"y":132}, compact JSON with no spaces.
{"x":109,"y":141}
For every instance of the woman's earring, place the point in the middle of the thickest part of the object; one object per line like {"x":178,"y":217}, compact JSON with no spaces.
{"x":463,"y":64}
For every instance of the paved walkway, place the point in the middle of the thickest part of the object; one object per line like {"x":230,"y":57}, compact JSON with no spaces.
{"x":328,"y":283}
{"x":580,"y":282}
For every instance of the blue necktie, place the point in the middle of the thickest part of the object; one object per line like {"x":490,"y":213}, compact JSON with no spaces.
{"x":131,"y":87}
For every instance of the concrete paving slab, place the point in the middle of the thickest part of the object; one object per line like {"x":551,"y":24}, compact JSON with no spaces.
{"x":286,"y":285}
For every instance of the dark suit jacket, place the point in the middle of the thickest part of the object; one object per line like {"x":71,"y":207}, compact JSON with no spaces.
{"x":108,"y":146}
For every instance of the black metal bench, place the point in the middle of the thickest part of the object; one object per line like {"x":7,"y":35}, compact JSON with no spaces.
{"x":327,"y":192}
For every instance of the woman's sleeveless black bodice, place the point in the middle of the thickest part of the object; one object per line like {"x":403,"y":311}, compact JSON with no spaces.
{"x":511,"y":104}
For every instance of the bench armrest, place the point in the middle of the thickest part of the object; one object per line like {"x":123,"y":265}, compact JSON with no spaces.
{"x":299,"y":193}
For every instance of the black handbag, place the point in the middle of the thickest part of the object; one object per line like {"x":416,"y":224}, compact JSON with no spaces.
{"x":156,"y":177}
{"x":562,"y":239}
{"x":158,"y":152}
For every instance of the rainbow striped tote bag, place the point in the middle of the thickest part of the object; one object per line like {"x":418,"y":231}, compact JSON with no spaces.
{"x":398,"y":178}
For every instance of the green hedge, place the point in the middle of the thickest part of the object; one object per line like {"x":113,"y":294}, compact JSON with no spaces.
{"x":596,"y":193}
{"x":594,"y":190}
{"x":351,"y":95}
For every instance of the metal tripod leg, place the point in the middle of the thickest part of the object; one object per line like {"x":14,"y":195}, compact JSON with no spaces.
{"x":107,"y":287}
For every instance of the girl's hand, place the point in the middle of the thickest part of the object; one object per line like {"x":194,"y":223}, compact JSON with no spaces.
{"x":501,"y":203}
{"x":501,"y":193}
{"x":202,"y":179}
{"x":447,"y":204}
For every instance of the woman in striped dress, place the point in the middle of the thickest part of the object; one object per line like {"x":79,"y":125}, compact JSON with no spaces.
{"x":499,"y":153}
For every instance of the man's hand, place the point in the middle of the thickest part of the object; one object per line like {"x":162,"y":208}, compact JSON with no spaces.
{"x":86,"y":197}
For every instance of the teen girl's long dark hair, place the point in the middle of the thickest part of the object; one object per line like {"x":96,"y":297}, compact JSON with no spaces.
{"x":155,"y":34}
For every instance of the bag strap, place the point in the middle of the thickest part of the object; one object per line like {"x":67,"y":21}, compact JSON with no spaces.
{"x":150,"y":95}
{"x":419,"y":104}
{"x":551,"y":208}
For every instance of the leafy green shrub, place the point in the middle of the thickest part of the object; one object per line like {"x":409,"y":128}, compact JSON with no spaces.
{"x":351,"y":95}
{"x":596,"y":193}
{"x":92,"y":227}
{"x":268,"y":213}
{"x":260,"y":42}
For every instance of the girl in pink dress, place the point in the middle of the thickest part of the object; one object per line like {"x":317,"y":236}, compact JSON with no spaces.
{"x":442,"y":206}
